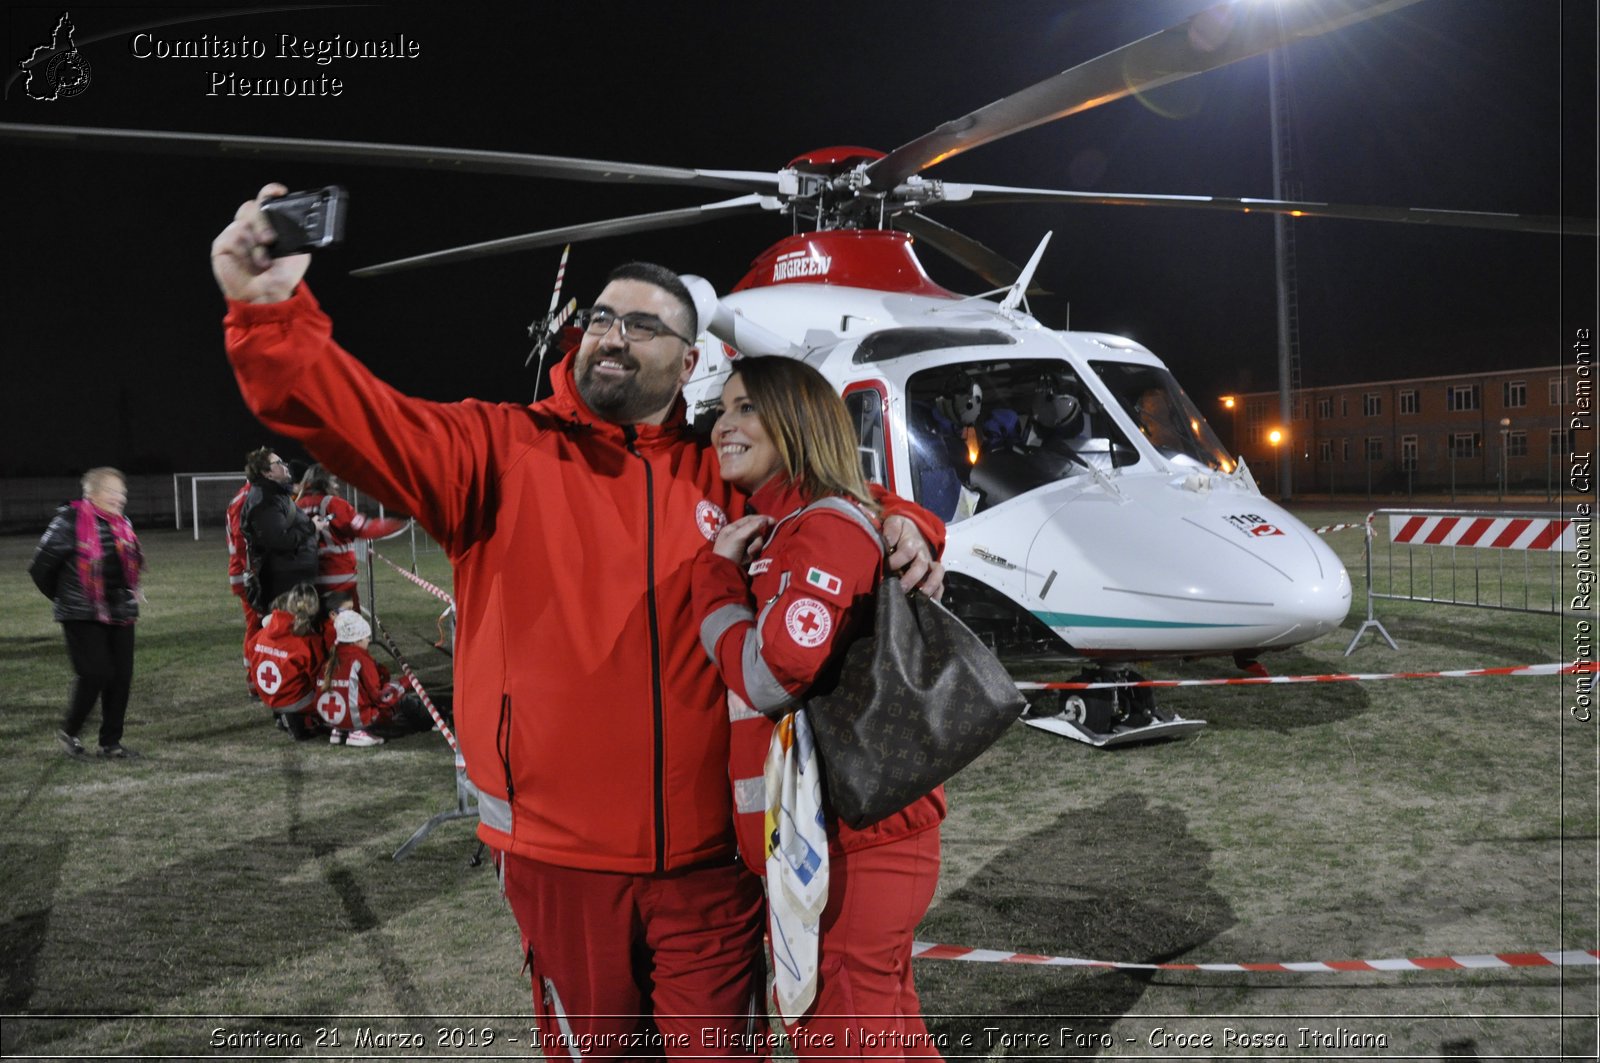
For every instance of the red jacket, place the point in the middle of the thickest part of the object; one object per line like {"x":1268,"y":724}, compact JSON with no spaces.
{"x":592,"y":725}
{"x":336,"y":543}
{"x":808,"y":596}
{"x":285,"y":667}
{"x":237,"y":560}
{"x":360,"y":693}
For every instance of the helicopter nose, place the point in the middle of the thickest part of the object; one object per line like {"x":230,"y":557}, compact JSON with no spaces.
{"x":1183,"y":571}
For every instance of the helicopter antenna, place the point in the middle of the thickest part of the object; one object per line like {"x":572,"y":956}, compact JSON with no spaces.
{"x":550,"y":326}
{"x":1019,"y":289}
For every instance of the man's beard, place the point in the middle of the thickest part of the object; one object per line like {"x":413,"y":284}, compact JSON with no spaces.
{"x":629,"y":399}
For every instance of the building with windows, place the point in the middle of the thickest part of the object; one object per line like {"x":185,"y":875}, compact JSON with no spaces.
{"x":1465,"y":430}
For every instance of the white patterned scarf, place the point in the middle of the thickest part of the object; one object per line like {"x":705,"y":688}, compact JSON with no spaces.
{"x":797,"y":863}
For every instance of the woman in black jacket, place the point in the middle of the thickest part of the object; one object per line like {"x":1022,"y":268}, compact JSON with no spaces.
{"x":88,"y":563}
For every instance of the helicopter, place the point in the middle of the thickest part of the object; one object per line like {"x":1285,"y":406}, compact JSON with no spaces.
{"x":1094,"y":516}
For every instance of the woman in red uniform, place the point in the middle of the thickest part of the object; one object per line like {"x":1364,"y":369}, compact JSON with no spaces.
{"x":285,"y":657}
{"x":356,"y":691}
{"x":779,"y":595}
{"x":336,"y":539}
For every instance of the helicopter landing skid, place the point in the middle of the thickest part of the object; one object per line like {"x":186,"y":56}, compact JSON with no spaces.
{"x":1106,"y":718}
{"x":1120,"y":735}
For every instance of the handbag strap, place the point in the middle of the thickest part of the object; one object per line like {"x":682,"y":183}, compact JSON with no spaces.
{"x":846,"y":508}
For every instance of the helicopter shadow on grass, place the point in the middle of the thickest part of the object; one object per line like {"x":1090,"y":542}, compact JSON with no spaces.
{"x":1121,"y":880}
{"x":30,"y":873}
{"x":212,"y":918}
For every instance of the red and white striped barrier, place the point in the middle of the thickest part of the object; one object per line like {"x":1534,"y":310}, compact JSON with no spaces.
{"x":416,"y":684}
{"x":1326,"y":528}
{"x":924,"y":950}
{"x":442,"y":595}
{"x":1500,"y":533}
{"x":1577,"y":668}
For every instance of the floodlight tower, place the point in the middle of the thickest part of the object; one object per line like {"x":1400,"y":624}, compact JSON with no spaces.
{"x":1284,"y":186}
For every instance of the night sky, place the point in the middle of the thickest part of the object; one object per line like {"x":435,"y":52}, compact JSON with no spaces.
{"x":110,"y":321}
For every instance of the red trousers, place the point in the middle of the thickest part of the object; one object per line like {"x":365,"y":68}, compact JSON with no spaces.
{"x":866,"y":1006}
{"x":640,"y":966}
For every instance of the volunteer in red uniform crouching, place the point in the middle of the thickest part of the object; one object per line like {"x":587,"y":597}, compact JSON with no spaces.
{"x":779,"y":596}
{"x":356,"y":691}
{"x":336,"y":542}
{"x":286,"y":656}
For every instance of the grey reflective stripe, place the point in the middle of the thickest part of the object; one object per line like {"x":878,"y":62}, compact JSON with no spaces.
{"x":750,"y":795}
{"x":846,"y":508}
{"x":494,"y":812}
{"x":303,"y":703}
{"x":766,"y":693}
{"x":346,"y":548}
{"x":342,"y":577}
{"x":739,"y":709}
{"x":567,"y":1038}
{"x":724,"y":617}
{"x":240,"y":578}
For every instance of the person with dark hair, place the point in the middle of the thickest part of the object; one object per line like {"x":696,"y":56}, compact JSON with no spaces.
{"x":590,"y":723}
{"x":286,"y":658}
{"x":778,"y":597}
{"x":88,"y":564}
{"x":342,"y":525}
{"x":280,"y":541}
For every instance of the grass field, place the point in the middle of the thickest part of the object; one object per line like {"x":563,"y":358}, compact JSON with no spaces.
{"x":232,"y":886}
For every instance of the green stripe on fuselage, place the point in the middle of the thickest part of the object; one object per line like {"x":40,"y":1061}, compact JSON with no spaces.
{"x":1084,"y":620}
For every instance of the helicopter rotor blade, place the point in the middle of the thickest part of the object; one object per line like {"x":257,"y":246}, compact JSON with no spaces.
{"x":1459,"y":219}
{"x":447,"y":160}
{"x":992,"y":266}
{"x":1216,"y":37}
{"x":594,"y":230}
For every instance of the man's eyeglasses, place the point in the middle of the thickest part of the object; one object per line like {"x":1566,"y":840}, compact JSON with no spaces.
{"x":636,"y":328}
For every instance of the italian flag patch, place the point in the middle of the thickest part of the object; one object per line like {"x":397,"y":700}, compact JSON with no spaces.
{"x":824,"y":581}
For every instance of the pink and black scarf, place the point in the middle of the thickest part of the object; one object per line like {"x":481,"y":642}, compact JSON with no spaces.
{"x":91,"y":559}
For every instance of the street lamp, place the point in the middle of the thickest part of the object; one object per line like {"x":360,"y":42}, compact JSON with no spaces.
{"x":1275,"y":436}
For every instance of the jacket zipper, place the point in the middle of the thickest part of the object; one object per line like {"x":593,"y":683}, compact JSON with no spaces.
{"x":502,"y":741}
{"x":657,"y":718}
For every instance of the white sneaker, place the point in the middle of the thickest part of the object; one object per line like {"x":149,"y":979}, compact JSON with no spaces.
{"x":336,"y":737}
{"x":362,"y":738}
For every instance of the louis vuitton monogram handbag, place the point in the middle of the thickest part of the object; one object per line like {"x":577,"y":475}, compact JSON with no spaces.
{"x":917,"y":700}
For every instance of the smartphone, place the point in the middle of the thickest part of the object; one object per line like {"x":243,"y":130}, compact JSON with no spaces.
{"x":306,"y":221}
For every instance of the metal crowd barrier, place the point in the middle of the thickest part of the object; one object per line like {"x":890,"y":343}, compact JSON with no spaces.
{"x":1460,"y":557}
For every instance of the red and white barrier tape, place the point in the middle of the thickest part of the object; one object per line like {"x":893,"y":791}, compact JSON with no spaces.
{"x":924,"y":950}
{"x":442,"y":595}
{"x":416,"y":684}
{"x":1579,"y":668}
{"x":1326,"y":528}
{"x":1501,"y":533}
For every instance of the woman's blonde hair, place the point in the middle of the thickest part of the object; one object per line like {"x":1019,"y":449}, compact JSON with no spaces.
{"x":808,"y":424}
{"x":301,"y":602}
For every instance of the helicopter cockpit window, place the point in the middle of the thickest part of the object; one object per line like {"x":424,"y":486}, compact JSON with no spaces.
{"x":981,"y":433}
{"x":1165,"y":414}
{"x":898,"y":342}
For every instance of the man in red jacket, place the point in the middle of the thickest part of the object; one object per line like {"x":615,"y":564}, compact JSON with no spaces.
{"x":593,"y":726}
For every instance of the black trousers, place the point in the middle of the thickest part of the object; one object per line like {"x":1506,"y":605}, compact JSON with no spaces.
{"x":102,"y":660}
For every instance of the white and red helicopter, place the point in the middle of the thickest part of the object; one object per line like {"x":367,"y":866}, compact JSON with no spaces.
{"x":1093,"y":515}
